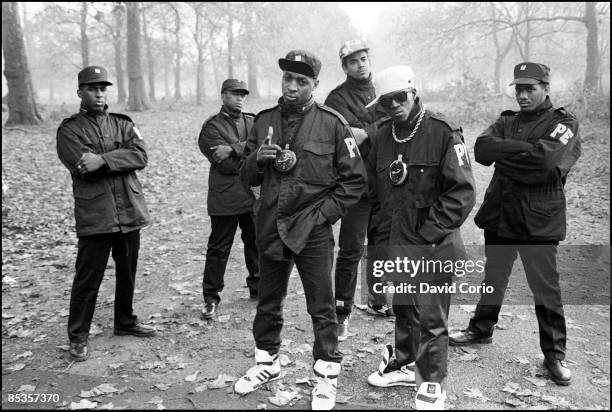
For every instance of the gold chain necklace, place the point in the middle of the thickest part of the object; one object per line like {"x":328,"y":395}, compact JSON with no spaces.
{"x":413,"y":131}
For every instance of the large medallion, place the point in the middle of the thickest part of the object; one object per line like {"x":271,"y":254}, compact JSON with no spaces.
{"x":398,"y":171}
{"x":285,"y":160}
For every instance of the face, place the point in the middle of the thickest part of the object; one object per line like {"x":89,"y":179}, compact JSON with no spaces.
{"x":357,"y":65}
{"x":297,"y":88}
{"x":233,"y":99}
{"x":530,"y":96}
{"x":93,"y":96}
{"x":398,"y":104}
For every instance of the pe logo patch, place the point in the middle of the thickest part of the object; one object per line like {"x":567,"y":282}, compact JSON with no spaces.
{"x":562,"y":133}
{"x":351,"y":145}
{"x":461,"y":152}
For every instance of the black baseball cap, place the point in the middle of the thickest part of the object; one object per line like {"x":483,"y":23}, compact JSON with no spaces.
{"x":234,"y":84}
{"x":302,"y":62}
{"x":93,"y":74}
{"x":531,"y":73}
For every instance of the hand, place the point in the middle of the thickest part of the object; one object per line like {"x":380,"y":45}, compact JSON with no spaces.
{"x":221,"y":152}
{"x":359,"y":134}
{"x":89,"y":162}
{"x":267,"y":150}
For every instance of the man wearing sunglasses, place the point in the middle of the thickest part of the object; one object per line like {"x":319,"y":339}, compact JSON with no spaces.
{"x":350,"y":99}
{"x":304,"y":157}
{"x":424,"y":188}
{"x":523,"y":211}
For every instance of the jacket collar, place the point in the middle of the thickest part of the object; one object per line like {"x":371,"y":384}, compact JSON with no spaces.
{"x":365,"y":84}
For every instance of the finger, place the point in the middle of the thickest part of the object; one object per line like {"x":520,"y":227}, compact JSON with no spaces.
{"x":214,"y":147}
{"x":270,"y":132}
{"x":276,"y":147}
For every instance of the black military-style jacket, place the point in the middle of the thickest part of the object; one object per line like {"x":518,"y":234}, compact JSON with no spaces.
{"x":349,"y":99}
{"x":438,"y":193}
{"x":110,"y":199}
{"x":328,"y":179}
{"x":227,"y":193}
{"x":533,"y":153}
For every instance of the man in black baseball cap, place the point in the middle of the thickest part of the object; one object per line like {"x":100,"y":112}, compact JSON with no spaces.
{"x":230,"y":202}
{"x":523,"y":212}
{"x":304,"y":157}
{"x":103,"y":151}
{"x":92,"y":75}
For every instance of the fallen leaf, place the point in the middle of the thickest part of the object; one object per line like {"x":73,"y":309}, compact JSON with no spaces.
{"x":83,"y":404}
{"x":374,"y":395}
{"x":468,"y":357}
{"x":192,"y":377}
{"x":26,"y":388}
{"x":63,"y":347}
{"x":261,"y":406}
{"x":17,"y":367}
{"x":155,"y":400}
{"x":524,"y":392}
{"x":473,"y":393}
{"x":162,"y":386}
{"x":223,"y":318}
{"x":511,"y":387}
{"x":284,"y":359}
{"x":600,"y":380}
{"x":536,"y":381}
{"x":23,"y":355}
{"x":201,"y":388}
{"x":282,"y":398}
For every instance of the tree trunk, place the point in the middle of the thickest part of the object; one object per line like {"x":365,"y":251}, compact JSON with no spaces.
{"x":20,"y":97}
{"x":150,"y":62}
{"x":252,"y":76}
{"x":177,"y":48}
{"x":591,"y":77}
{"x":200,"y":67}
{"x":137,"y":100}
{"x":84,"y":37}
{"x":118,"y":45}
{"x":230,"y":45}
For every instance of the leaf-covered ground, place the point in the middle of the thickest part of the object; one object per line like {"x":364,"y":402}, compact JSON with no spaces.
{"x":192,"y":362}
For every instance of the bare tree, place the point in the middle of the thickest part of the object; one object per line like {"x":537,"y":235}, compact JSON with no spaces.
{"x":84,"y":36}
{"x":137,"y":99}
{"x":230,"y":41}
{"x":115,"y":29}
{"x":203,"y":15}
{"x":20,"y":100}
{"x":150,"y":62}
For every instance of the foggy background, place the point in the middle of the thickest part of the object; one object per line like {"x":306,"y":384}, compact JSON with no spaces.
{"x":458,"y":51}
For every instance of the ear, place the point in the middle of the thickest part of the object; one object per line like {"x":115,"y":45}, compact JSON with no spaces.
{"x":80,"y":93}
{"x":316,"y":83}
{"x":547,"y":89}
{"x":344,"y":69}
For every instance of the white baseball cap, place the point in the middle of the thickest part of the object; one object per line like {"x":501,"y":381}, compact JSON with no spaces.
{"x":392,"y":79}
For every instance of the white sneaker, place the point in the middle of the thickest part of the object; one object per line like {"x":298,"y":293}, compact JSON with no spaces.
{"x":268,"y":368}
{"x":324,"y":392}
{"x":343,"y":332}
{"x":384,"y":378}
{"x":430,"y":397}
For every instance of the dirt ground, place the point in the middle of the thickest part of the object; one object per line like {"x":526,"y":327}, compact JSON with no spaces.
{"x":192,"y":363}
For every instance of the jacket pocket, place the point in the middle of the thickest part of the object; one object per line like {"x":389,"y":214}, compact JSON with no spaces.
{"x":317,"y":162}
{"x":89,"y":191}
{"x":547,"y":207}
{"x":423,"y":182}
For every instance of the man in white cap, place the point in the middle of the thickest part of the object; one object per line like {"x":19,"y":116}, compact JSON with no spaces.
{"x":424,"y":188}
{"x":350,"y":99}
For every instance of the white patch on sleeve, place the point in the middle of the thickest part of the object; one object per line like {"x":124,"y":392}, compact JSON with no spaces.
{"x":563,"y":133}
{"x":351,"y":145}
{"x":137,"y":132}
{"x":461,"y":152}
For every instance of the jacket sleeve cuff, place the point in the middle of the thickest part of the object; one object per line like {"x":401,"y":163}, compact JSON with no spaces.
{"x":330,"y":212}
{"x":238,"y":149}
{"x":430,"y":234}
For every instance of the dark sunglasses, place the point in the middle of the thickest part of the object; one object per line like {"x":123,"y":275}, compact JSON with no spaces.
{"x":400,"y":97}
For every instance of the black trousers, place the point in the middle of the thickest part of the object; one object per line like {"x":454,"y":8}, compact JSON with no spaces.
{"x":92,"y":257}
{"x":539,"y":261}
{"x":219,"y":247}
{"x":353,"y":229}
{"x":314,"y":265}
{"x":421,"y":330}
